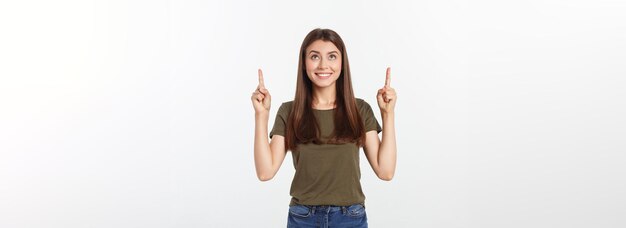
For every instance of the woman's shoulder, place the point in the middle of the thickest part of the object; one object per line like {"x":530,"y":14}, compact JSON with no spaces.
{"x":285,"y":107}
{"x":287,"y":104}
{"x":360,"y":103}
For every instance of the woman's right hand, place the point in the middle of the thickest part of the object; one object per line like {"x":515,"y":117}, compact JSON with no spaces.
{"x":261,"y":99}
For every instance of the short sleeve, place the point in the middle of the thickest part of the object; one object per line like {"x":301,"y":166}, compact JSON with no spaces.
{"x":280,"y":123}
{"x":369,"y":120}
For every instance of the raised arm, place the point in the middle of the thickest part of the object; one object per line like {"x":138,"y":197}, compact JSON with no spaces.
{"x":268,"y":157}
{"x":382,"y":154}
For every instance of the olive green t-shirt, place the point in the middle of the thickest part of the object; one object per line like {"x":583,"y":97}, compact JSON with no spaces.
{"x":326,"y":174}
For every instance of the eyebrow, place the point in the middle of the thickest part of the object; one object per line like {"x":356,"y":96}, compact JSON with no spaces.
{"x":319,"y":52}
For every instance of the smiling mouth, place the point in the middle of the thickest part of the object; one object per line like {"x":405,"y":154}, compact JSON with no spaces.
{"x":323,"y":75}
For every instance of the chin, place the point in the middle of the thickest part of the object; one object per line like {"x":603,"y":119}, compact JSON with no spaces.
{"x":324,"y":84}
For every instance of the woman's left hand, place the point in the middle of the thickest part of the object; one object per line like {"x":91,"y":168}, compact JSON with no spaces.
{"x":387,"y":96}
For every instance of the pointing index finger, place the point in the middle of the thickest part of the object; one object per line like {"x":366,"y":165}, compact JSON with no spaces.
{"x":261,"y":83}
{"x":388,"y":78}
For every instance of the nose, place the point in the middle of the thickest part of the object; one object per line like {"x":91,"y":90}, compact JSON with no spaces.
{"x":322,"y":64}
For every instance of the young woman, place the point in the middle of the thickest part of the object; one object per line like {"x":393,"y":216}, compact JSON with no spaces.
{"x":324,"y":127}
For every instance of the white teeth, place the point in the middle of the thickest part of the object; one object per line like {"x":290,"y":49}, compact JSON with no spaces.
{"x":323,"y":75}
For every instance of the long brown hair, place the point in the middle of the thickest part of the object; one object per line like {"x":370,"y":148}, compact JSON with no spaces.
{"x":302,"y":127}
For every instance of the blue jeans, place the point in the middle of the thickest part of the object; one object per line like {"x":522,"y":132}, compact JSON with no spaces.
{"x":325,"y":216}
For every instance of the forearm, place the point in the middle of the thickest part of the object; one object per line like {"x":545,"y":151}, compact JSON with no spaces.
{"x":387,"y":149}
{"x":262,"y":152}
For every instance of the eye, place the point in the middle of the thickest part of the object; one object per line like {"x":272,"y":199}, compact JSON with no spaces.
{"x":315,"y":57}
{"x":332,"y":57}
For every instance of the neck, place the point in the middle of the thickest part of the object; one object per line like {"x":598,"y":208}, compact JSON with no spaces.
{"x":324,"y":97}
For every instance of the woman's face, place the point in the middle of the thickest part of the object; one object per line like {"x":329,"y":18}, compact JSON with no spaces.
{"x":323,"y":63}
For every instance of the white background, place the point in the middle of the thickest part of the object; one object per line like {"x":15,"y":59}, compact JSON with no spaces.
{"x":138,"y":113}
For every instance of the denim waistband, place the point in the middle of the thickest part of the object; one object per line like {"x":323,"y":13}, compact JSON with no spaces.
{"x":330,"y":208}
